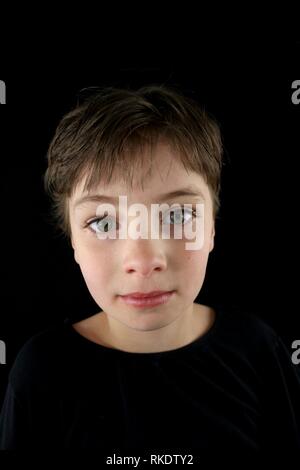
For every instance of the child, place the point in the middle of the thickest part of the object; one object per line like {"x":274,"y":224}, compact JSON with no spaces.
{"x":153,"y":369}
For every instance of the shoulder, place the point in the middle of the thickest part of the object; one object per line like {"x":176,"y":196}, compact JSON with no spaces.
{"x":39,"y":358}
{"x":245,"y":341}
{"x":245,"y":329}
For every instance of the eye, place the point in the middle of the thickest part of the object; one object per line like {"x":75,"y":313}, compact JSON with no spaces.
{"x":177,"y":215}
{"x":106,"y":223}
{"x":101,"y":224}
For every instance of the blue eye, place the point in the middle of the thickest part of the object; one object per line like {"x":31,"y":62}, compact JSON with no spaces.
{"x":103,"y":224}
{"x":106,"y":223}
{"x":177,"y":215}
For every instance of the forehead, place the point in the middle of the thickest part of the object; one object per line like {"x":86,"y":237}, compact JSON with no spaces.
{"x":158,"y":170}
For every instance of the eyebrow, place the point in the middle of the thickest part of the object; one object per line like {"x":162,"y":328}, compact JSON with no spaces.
{"x":187,"y":191}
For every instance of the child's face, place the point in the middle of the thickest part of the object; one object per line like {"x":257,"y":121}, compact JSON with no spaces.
{"x":115,"y":267}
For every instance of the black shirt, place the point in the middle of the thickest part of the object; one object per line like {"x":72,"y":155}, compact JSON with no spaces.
{"x":233,"y":389}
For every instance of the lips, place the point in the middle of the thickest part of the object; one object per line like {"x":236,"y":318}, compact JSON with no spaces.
{"x":145,"y":295}
{"x":144,"y":300}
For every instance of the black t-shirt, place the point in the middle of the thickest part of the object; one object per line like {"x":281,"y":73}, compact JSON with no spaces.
{"x":235,"y":388}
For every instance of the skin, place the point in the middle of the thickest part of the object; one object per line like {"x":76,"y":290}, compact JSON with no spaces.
{"x":114,"y":267}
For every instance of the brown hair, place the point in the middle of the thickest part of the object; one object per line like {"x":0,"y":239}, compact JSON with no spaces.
{"x":108,"y":131}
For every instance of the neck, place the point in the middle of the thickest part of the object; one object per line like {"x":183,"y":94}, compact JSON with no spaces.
{"x":188,"y":326}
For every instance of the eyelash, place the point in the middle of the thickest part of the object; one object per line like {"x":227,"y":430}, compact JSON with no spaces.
{"x":98,"y":219}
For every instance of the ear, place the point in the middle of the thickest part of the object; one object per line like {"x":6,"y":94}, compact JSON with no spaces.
{"x":74,"y":249}
{"x":212,"y":238}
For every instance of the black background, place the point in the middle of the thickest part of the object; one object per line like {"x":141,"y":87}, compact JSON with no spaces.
{"x":246,"y":85}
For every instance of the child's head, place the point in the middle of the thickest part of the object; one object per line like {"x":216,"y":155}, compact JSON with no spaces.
{"x":142,"y":144}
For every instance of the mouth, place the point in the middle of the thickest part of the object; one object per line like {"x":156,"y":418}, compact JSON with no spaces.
{"x":143,"y":295}
{"x":147,"y":299}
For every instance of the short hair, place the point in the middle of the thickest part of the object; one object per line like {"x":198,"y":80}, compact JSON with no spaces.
{"x":108,"y":132}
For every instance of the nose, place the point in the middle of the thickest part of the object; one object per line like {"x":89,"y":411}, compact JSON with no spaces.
{"x":143,"y":257}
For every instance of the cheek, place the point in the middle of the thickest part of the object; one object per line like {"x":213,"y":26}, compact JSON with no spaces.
{"x":195,"y":263}
{"x":193,"y":267}
{"x":96,"y":268}
{"x":191,"y":273}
